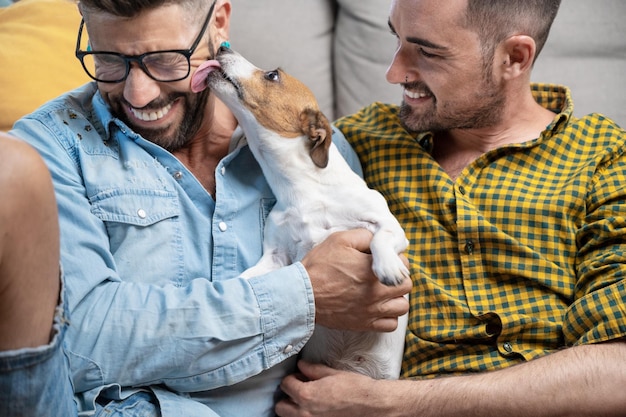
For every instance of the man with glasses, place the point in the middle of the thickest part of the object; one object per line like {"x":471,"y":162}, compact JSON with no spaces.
{"x":161,"y":208}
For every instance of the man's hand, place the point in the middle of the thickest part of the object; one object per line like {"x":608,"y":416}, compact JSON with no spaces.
{"x":323,"y":391}
{"x":348,"y":295}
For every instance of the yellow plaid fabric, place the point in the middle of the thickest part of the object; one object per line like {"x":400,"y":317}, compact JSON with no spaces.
{"x":523,"y":254}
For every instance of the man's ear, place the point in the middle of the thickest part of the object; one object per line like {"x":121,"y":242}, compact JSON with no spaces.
{"x":516,"y":56}
{"x":221,"y":29}
{"x":316,"y":126}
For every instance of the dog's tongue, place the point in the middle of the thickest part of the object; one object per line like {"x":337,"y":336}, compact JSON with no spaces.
{"x":198,"y":79}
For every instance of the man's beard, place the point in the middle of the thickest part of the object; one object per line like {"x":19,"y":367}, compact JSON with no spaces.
{"x":194,"y":108}
{"x":482,"y":110}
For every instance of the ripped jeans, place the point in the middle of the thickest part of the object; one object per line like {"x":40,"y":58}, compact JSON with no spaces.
{"x":36,"y":381}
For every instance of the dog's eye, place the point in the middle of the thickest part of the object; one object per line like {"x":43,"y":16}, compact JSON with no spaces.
{"x":272,"y":75}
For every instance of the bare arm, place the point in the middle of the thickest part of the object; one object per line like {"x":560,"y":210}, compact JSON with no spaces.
{"x":581,"y":381}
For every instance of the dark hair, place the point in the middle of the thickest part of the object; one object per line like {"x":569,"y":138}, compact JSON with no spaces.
{"x":496,"y":20}
{"x":132,"y":8}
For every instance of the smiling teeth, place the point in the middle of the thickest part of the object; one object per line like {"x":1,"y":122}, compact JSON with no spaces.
{"x":415,"y":94}
{"x":150,"y":116}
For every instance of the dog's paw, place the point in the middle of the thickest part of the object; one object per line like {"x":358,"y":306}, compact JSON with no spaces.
{"x":390,"y":271}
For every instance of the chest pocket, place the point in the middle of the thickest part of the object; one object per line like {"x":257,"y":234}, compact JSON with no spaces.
{"x":135,"y":207}
{"x":144,"y":233}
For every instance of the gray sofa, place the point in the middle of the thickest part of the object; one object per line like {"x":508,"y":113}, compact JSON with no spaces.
{"x":341,"y":49}
{"x":586,"y":51}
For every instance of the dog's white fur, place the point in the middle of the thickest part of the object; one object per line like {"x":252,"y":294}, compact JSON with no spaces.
{"x":317,"y":194}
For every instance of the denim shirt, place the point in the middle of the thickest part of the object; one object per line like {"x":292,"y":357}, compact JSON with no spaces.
{"x":151,"y":265}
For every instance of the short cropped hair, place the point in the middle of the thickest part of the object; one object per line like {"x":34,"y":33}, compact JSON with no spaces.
{"x":496,"y":20}
{"x":132,"y":8}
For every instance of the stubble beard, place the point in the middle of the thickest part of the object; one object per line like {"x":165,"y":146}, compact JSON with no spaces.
{"x":194,"y":106}
{"x":485,"y":108}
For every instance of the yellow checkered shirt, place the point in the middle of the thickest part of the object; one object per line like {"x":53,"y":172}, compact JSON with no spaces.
{"x":524,"y":254}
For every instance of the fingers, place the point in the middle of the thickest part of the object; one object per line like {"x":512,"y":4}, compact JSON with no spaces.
{"x":292,"y":384}
{"x":395,"y":291}
{"x":286,"y":408}
{"x":405,"y":261}
{"x":340,"y":254}
{"x":394,"y":303}
{"x":391,"y":310}
{"x":358,"y":239}
{"x":314,"y":371}
{"x":323,"y":391}
{"x":296,"y":387}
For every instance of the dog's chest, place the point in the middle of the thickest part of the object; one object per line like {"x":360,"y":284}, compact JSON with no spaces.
{"x":296,"y":229}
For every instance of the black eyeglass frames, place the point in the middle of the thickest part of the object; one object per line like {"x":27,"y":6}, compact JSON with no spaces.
{"x":164,"y":66}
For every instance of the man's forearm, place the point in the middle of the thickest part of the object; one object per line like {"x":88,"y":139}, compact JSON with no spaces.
{"x":580,"y":381}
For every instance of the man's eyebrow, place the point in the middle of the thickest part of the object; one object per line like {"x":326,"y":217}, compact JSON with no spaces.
{"x":417,"y":41}
{"x":424,"y":42}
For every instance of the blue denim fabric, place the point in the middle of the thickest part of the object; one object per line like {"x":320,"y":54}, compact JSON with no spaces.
{"x":141,"y":404}
{"x":36,"y":381}
{"x":152,"y":264}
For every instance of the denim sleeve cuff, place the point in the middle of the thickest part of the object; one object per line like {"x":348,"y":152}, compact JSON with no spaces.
{"x":287,"y":311}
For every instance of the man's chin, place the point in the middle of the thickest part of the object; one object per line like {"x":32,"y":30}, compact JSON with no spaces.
{"x":414,"y":122}
{"x":164,"y":137}
{"x":180,"y":128}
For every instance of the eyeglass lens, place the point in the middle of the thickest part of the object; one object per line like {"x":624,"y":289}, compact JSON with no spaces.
{"x":162,"y":66}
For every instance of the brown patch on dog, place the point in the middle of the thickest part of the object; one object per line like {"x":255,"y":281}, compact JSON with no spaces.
{"x":277,"y":100}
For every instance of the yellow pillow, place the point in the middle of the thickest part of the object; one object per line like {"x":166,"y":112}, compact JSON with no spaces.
{"x":37,"y":61}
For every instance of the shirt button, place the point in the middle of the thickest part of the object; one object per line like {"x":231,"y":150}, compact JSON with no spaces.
{"x":469,"y":247}
{"x":288,"y":349}
{"x":222,"y":226}
{"x":223,"y":170}
{"x":462,"y":190}
{"x":178,"y":175}
{"x":141,"y":213}
{"x":507,"y":347}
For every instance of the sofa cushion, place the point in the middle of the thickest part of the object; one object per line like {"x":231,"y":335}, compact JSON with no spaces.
{"x":295,"y":35}
{"x":364,"y":49}
{"x":37,"y":55}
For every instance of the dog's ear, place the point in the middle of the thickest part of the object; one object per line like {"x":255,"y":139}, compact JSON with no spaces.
{"x":316,"y":126}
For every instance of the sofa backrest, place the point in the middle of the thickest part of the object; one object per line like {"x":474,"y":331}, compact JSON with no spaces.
{"x":339,"y":48}
{"x":586,"y":51}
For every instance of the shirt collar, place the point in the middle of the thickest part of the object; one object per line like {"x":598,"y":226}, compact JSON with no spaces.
{"x":557,"y":99}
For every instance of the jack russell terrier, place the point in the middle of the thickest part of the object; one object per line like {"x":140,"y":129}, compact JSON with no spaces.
{"x":291,"y":140}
